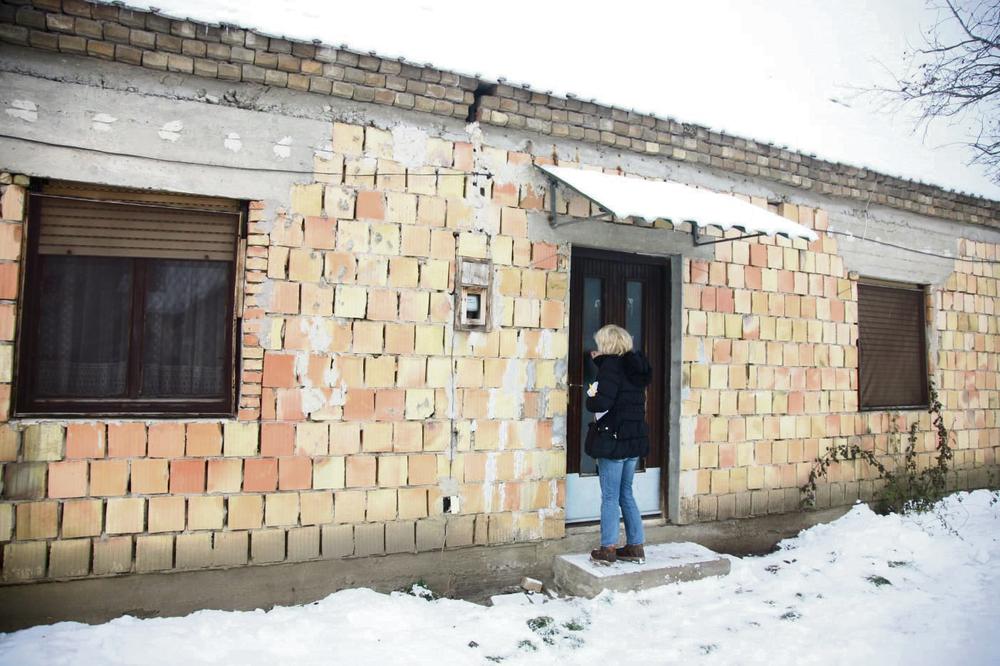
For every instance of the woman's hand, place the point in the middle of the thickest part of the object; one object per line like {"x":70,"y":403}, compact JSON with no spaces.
{"x":594,"y":353}
{"x":592,"y":389}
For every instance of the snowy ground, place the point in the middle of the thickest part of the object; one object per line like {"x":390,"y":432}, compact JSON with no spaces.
{"x":865,"y":589}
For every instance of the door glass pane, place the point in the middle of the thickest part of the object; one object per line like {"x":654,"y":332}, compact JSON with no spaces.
{"x":83,"y":327}
{"x":593,"y":319}
{"x":633,"y":312}
{"x":187,"y":315}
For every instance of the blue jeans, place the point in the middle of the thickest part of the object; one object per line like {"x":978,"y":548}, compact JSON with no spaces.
{"x":616,"y":492}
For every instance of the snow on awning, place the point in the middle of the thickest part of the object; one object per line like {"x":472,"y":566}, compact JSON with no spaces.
{"x":652,"y":200}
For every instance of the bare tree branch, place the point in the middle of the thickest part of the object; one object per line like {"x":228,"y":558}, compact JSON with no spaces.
{"x":956,"y":72}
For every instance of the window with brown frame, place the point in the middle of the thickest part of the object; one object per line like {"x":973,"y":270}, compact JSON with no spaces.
{"x":892,"y":349}
{"x":129,"y":303}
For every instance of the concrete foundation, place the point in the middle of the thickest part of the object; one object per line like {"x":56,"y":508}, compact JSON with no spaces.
{"x":473,"y":573}
{"x":575,"y":574}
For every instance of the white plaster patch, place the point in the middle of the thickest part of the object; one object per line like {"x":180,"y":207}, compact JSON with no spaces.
{"x":312,"y":400}
{"x":233,"y":142}
{"x":283,"y":147}
{"x":24,"y":109}
{"x":101,"y":122}
{"x":324,"y":151}
{"x":171,"y":131}
{"x":409,"y":145}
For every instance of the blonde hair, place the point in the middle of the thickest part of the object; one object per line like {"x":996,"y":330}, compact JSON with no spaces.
{"x":613,"y":340}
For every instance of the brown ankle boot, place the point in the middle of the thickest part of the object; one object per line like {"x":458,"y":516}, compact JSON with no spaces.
{"x":632,"y":553}
{"x":605,"y":555}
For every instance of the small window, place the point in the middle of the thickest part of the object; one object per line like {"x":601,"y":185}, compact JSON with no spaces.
{"x":892,"y":347}
{"x":129,"y":303}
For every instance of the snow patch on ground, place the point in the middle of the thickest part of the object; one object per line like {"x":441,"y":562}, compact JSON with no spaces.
{"x":865,"y":589}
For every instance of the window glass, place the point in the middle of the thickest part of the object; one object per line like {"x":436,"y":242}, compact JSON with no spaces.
{"x":186,"y":312}
{"x":83,"y":326}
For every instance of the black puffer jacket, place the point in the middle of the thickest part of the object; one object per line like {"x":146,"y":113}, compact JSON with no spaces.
{"x":621,"y":391}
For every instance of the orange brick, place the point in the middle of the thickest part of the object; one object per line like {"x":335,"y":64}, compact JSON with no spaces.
{"x":279,"y":370}
{"x":361,"y":471}
{"x":8,"y":316}
{"x":370,"y":206}
{"x":225,"y":476}
{"x":8,"y":280}
{"x":108,"y":477}
{"x":204,"y":439}
{"x":260,"y":474}
{"x":245,"y":512}
{"x":422,"y":470}
{"x":166,"y":440}
{"x":407,"y":436}
{"x":187,"y":476}
{"x":320,"y":232}
{"x":68,"y":479}
{"x":166,"y":514}
{"x":37,"y":520}
{"x":126,"y":440}
{"x":390,"y":404}
{"x":149,"y":477}
{"x":295,"y":473}
{"x":82,"y":518}
{"x":277,"y":439}
{"x":359,"y":405}
{"x":284,"y":297}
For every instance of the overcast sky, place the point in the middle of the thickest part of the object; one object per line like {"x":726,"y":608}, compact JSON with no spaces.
{"x":782,"y":71}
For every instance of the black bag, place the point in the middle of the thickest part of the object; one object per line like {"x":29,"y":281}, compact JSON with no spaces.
{"x":601,"y":440}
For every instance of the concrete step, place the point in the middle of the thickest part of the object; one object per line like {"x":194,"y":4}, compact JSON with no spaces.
{"x":577,"y":575}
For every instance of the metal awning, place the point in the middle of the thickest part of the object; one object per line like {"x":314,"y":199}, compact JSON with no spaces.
{"x":652,"y":200}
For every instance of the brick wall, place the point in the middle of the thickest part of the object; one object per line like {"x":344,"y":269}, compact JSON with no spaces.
{"x":361,"y":407}
{"x":228,"y":53}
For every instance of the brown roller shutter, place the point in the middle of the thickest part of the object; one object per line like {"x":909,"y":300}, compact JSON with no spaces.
{"x":89,"y":220}
{"x":892,"y":350}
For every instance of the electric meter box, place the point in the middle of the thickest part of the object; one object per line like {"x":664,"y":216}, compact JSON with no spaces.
{"x":473,"y":281}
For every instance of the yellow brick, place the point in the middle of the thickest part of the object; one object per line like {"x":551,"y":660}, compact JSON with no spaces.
{"x":240,"y":439}
{"x":328,"y":472}
{"x":349,"y":506}
{"x":392,"y":471}
{"x":311,"y":439}
{"x":472,"y":244}
{"x":401,"y":208}
{"x":339,"y":202}
{"x":125,"y":515}
{"x":205,"y":512}
{"x":439,"y":372}
{"x":380,"y":371}
{"x":385,"y":239}
{"x":350,"y":302}
{"x":429,"y":340}
{"x":281,"y":509}
{"x":419,"y":403}
{"x":348,"y":139}
{"x":381,"y":505}
{"x":403,"y":272}
{"x":307,"y":199}
{"x":435,"y":274}
{"x":305,"y":265}
{"x":378,"y":143}
{"x":316,"y":507}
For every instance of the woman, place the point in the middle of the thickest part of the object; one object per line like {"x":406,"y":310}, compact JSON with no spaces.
{"x":620,"y":393}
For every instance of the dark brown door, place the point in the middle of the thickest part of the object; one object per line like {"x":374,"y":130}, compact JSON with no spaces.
{"x":631,"y":291}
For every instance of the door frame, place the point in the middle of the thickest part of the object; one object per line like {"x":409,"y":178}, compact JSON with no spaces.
{"x":673,"y":328}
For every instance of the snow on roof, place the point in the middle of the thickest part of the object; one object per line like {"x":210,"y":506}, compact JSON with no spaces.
{"x":655,"y":200}
{"x":784,"y":72}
